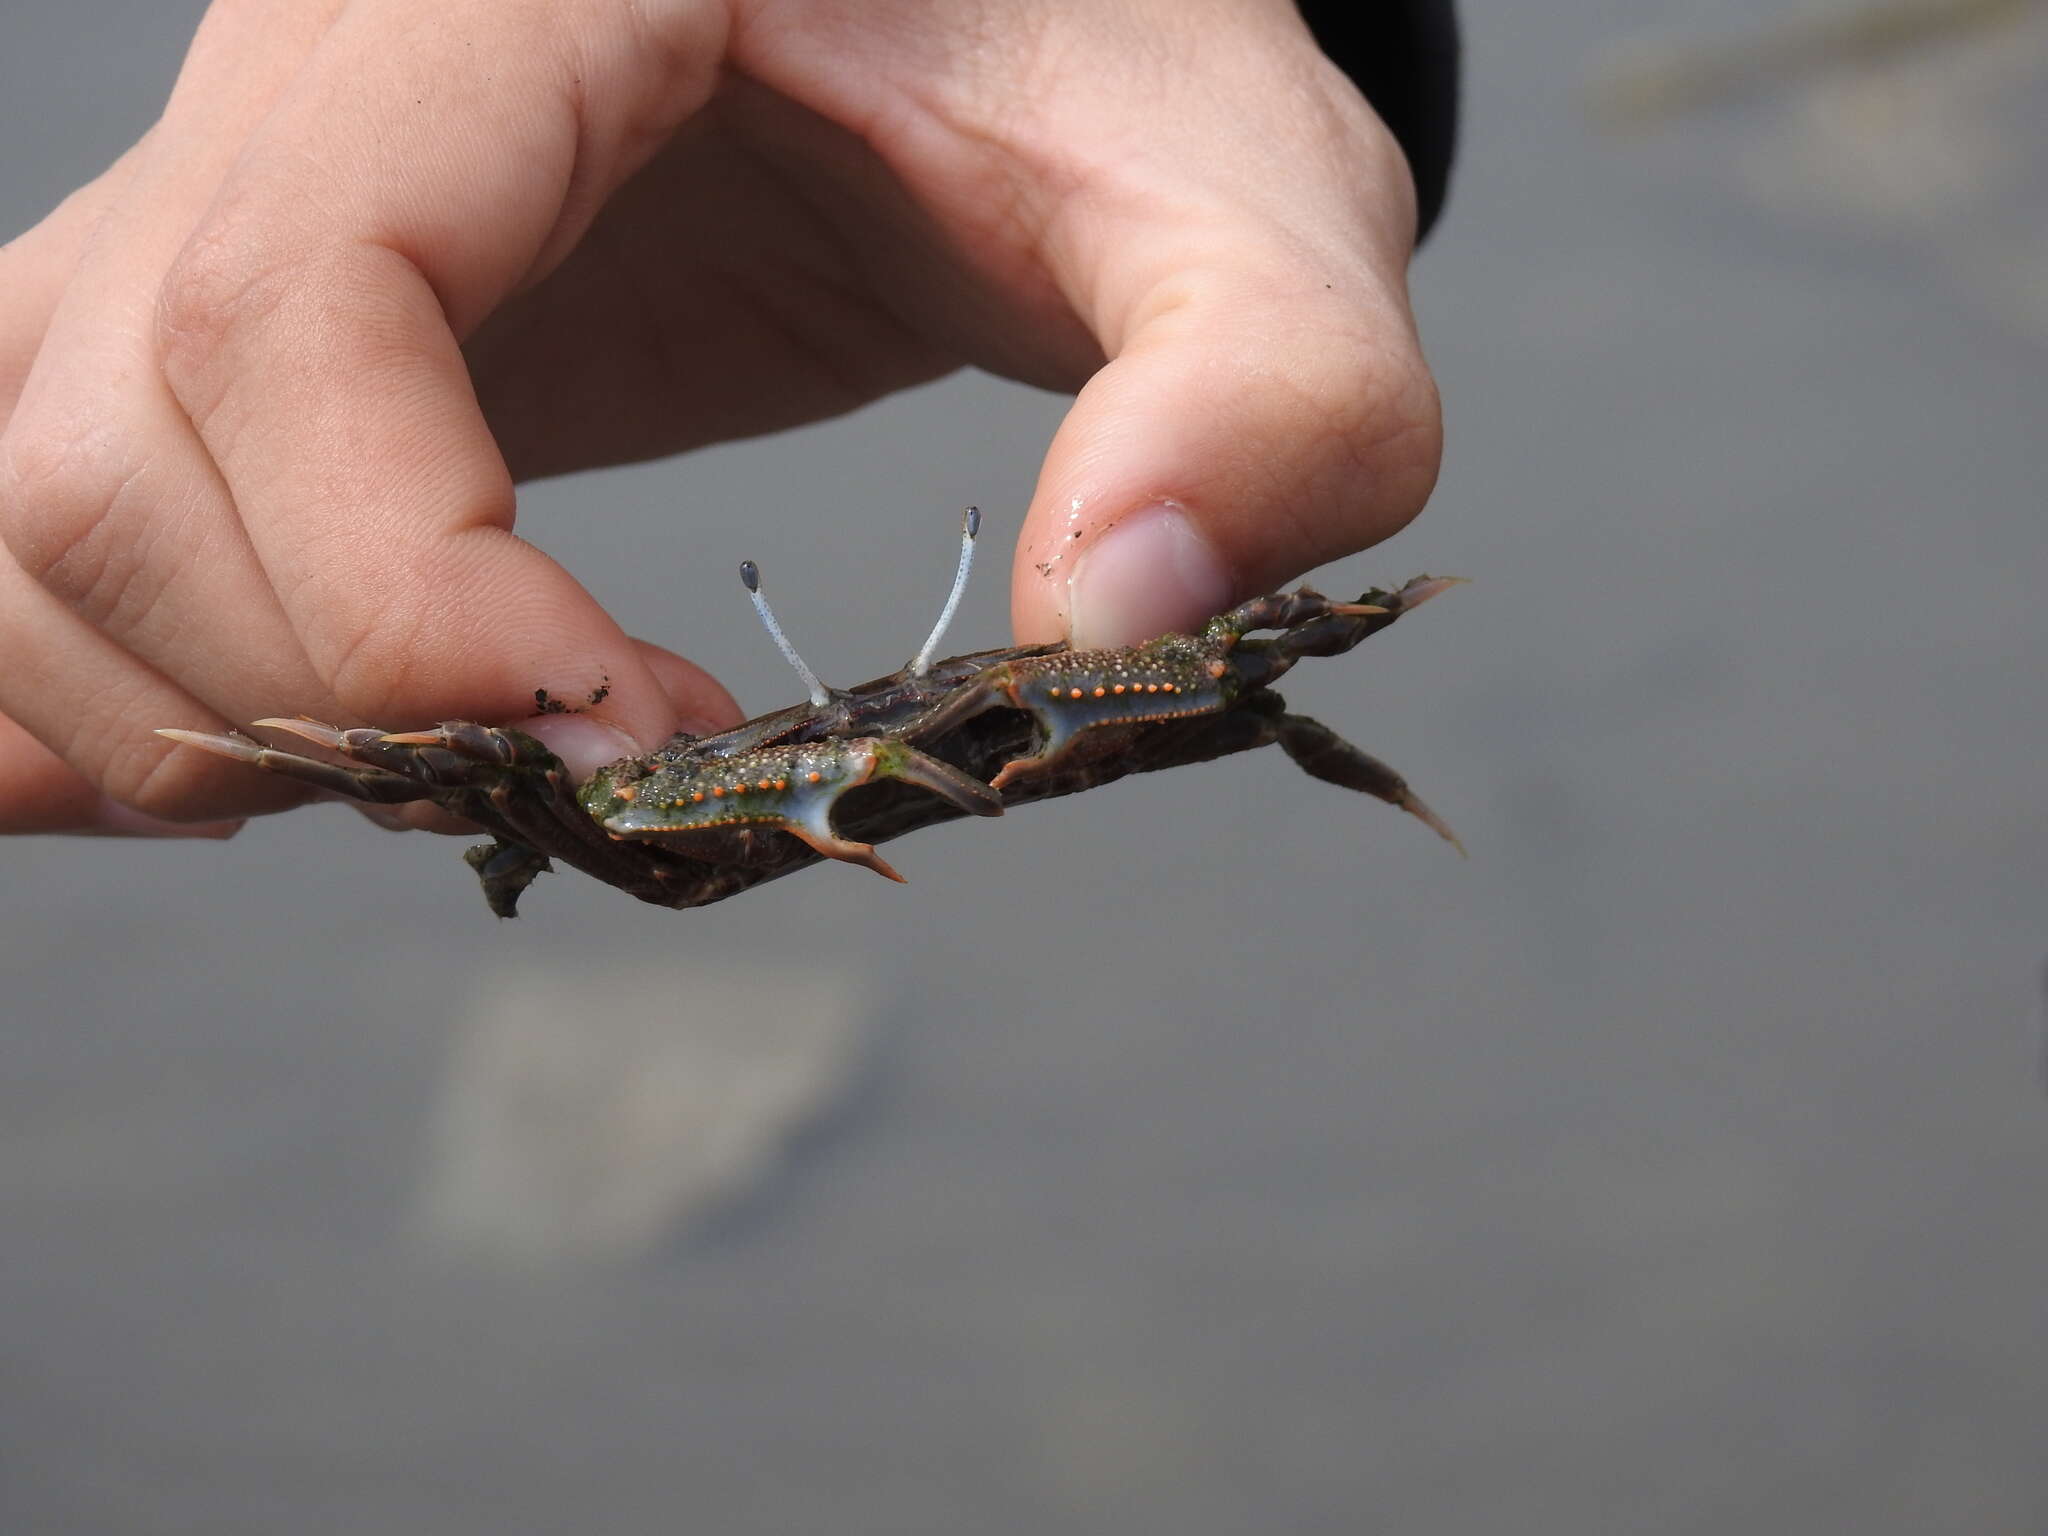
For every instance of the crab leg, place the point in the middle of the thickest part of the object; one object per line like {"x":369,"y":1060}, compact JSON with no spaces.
{"x":505,"y":781}
{"x":457,"y":753}
{"x":1322,"y":754}
{"x":377,"y":786}
{"x":1288,"y":610}
{"x":1340,"y":627}
{"x":502,"y":779}
{"x":482,"y":743}
{"x":457,"y":756}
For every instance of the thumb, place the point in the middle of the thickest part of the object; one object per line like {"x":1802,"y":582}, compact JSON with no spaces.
{"x":1263,"y":417}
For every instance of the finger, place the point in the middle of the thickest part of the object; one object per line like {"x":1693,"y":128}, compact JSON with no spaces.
{"x":1220,"y":454}
{"x":1265,"y":407}
{"x":36,"y":266}
{"x":700,"y":701}
{"x":242,"y":55}
{"x":106,"y":498}
{"x":585,"y":745}
{"x":312,"y":342}
{"x":576,"y":730}
{"x":115,"y":506}
{"x":39,"y":792}
{"x":94,"y":706}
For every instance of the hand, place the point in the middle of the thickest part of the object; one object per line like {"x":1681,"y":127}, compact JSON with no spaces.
{"x":267,"y":383}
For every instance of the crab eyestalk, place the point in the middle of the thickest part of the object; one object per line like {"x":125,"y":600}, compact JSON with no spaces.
{"x":970,"y":530}
{"x":750,"y":573}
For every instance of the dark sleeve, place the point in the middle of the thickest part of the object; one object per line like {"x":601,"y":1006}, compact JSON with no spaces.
{"x":1403,"y":57}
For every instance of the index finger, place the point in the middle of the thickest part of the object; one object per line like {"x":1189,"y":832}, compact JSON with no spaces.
{"x":421,"y":168}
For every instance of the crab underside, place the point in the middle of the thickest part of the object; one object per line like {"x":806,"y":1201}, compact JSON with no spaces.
{"x":703,"y":818}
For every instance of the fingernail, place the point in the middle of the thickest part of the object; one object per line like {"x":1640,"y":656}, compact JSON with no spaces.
{"x":582,"y":743}
{"x":1151,"y":573}
{"x":110,"y":818}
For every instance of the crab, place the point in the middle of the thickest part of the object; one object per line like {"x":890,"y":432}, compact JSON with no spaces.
{"x":702,"y":818}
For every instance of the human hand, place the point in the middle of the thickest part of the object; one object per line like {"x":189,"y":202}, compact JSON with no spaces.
{"x":267,"y":383}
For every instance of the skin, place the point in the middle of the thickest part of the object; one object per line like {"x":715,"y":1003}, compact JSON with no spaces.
{"x":267,"y":384}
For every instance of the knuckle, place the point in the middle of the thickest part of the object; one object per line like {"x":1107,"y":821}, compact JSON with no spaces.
{"x":1410,"y":442}
{"x":161,"y":781}
{"x":431,"y":644}
{"x":114,"y":748}
{"x":372,"y":658}
{"x":149,"y":779}
{"x":61,"y":477}
{"x":1384,"y":424}
{"x":223,"y":281}
{"x":682,"y":38}
{"x":108,"y":747}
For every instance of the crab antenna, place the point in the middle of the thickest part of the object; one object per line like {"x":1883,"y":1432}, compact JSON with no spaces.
{"x":750,"y":573}
{"x":970,"y":527}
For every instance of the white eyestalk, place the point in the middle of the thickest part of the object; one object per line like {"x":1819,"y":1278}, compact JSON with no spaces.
{"x":750,"y":573}
{"x":970,"y":526}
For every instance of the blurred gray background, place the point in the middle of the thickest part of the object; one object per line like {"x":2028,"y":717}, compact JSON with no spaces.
{"x":1218,"y":1152}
